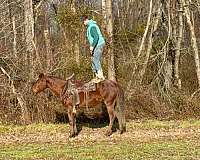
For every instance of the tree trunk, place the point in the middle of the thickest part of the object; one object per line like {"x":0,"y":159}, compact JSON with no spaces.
{"x":48,"y":49}
{"x":168,"y":50}
{"x":76,"y":44}
{"x":14,"y":37}
{"x":103,"y":5}
{"x":154,"y":27}
{"x":135,"y":64}
{"x":49,"y":54}
{"x":177,"y":81}
{"x":193,"y":39}
{"x":29,"y":24}
{"x":111,"y":63}
{"x":146,"y":30}
{"x":29,"y":35}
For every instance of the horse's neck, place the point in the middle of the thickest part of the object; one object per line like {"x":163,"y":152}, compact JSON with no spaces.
{"x":55,"y":85}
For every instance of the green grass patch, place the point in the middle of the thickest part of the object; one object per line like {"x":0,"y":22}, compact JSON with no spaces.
{"x":159,"y":149}
{"x":4,"y":129}
{"x":190,"y":123}
{"x":154,"y":124}
{"x":34,"y":128}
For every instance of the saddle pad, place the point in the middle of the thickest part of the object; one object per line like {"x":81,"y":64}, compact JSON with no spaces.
{"x":90,"y":86}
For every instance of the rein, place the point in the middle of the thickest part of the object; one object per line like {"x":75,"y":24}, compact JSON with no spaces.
{"x":64,"y":92}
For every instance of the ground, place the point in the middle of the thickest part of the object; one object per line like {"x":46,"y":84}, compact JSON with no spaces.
{"x":147,"y":139}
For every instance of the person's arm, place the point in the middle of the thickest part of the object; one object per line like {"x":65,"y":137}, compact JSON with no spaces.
{"x":95,"y":36}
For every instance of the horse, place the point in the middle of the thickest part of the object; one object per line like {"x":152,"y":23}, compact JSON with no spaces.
{"x":107,"y":91}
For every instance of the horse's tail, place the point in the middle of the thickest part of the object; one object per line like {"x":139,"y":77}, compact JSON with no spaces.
{"x":120,"y":110}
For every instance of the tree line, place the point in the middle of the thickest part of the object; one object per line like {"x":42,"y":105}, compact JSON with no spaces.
{"x":149,"y":44}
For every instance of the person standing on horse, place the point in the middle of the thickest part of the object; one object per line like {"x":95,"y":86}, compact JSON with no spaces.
{"x":96,"y":42}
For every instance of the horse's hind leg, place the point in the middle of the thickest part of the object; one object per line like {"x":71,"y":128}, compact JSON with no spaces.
{"x":120,"y":113}
{"x":120,"y":121}
{"x":111,"y":114}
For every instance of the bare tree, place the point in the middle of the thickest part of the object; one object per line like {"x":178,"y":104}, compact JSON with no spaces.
{"x":193,"y":38}
{"x":24,"y":111}
{"x":29,"y":34}
{"x":109,"y":27}
{"x":103,"y":6}
{"x":154,"y":26}
{"x":178,"y":46}
{"x":14,"y":37}
{"x":76,"y":44}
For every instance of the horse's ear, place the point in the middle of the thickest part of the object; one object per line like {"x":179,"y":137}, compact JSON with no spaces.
{"x":41,"y":75}
{"x":70,"y":77}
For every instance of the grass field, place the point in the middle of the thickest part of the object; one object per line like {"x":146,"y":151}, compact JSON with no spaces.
{"x":163,"y":140}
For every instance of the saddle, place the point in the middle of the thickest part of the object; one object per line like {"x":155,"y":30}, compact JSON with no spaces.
{"x":71,"y":89}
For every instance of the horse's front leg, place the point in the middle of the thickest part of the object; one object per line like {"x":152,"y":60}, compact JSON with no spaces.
{"x":72,"y":122}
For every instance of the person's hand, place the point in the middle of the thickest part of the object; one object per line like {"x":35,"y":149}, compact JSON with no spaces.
{"x":91,"y":50}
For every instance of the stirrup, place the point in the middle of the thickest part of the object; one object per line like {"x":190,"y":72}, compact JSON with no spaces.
{"x":74,"y":110}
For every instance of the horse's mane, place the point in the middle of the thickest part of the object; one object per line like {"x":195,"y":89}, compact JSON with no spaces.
{"x":75,"y":81}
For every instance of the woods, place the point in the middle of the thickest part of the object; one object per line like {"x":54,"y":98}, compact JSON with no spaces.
{"x":152,"y":50}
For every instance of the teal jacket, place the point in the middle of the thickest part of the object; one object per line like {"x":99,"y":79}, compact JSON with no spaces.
{"x":94,"y":34}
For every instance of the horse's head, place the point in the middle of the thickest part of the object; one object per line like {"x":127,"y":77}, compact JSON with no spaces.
{"x":40,"y":84}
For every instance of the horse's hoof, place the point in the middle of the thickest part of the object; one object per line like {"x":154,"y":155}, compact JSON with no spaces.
{"x":108,"y":133}
{"x":72,"y":135}
{"x":124,"y":129}
{"x":76,"y":134}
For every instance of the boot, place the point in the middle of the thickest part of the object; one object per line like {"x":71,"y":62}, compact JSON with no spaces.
{"x":100,"y":75}
{"x":95,"y":78}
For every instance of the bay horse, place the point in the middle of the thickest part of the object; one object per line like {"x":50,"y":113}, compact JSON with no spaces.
{"x":106,"y":91}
